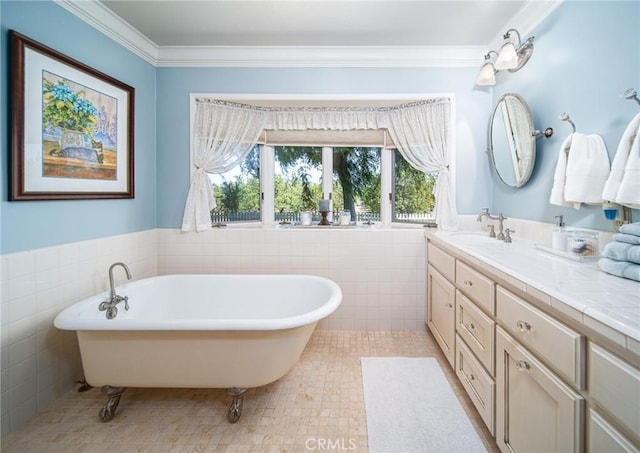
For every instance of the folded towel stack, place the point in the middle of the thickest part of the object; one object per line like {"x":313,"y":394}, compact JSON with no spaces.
{"x":621,"y":257}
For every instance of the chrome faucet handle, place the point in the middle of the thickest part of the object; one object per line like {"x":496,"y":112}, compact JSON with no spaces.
{"x":125,"y":299}
{"x":507,"y":233}
{"x":492,"y":231}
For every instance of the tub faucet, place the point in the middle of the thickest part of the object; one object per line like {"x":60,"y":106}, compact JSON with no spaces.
{"x":110,"y":306}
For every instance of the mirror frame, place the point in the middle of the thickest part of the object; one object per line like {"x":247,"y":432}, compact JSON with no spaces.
{"x":526,"y":176}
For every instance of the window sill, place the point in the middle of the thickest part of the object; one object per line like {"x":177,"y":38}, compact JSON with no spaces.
{"x":377,"y":226}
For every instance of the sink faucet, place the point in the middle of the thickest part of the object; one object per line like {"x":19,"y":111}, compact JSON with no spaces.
{"x":500,"y":218}
{"x":110,"y":306}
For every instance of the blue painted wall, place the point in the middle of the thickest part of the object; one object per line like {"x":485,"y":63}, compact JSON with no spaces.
{"x":586,"y":55}
{"x":175,"y":85}
{"x":28,"y":225}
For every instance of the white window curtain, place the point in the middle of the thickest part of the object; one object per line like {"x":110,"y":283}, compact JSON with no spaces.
{"x":224,"y":132}
{"x":223,"y":135}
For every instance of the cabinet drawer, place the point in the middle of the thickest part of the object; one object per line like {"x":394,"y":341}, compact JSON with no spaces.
{"x":604,"y":438}
{"x":480,"y":387}
{"x":615,"y":385}
{"x":441,"y":260}
{"x":476,"y":286}
{"x":554,"y":342}
{"x":477,"y":330}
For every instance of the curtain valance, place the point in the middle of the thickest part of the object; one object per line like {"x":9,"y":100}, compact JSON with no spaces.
{"x":224,"y":132}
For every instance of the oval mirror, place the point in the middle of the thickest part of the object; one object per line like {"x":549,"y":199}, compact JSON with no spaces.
{"x":512,"y":142}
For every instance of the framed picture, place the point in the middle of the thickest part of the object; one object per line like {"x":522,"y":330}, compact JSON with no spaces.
{"x":72,"y":127}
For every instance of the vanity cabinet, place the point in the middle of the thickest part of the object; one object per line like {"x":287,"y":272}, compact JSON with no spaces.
{"x":458,"y":313}
{"x":539,"y":378}
{"x":535,"y":409}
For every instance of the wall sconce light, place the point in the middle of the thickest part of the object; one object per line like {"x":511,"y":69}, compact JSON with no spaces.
{"x":511,"y":58}
{"x":487,"y":74}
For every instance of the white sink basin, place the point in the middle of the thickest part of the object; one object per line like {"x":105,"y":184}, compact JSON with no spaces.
{"x":473,"y":237}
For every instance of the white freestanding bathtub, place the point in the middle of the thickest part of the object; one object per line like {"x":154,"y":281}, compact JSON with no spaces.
{"x":211,"y":331}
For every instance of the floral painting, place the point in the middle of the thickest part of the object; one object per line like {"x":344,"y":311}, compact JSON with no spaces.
{"x":78,"y":130}
{"x":72,"y":127}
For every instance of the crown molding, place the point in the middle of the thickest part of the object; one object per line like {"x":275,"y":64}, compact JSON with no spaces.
{"x":319,"y":56}
{"x":104,"y":20}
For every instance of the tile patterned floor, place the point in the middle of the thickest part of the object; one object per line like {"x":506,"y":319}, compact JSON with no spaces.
{"x":318,"y":406}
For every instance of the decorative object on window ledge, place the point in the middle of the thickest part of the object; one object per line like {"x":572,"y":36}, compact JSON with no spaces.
{"x":325,"y":209}
{"x":511,"y":58}
{"x":72,"y":127}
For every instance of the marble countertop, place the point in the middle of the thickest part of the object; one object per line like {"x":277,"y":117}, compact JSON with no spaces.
{"x":605,"y":303}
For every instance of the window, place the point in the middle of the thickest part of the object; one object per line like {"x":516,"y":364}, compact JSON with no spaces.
{"x":413,"y":200}
{"x":355,"y":176}
{"x":356,"y":182}
{"x":237,"y":192}
{"x":297,"y":181}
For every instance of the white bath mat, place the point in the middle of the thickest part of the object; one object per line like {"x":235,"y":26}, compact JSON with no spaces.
{"x":411,"y":407}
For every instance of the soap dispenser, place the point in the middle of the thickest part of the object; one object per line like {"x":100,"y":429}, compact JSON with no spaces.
{"x":559,"y":235}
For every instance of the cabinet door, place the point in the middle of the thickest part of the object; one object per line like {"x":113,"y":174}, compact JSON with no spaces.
{"x":535,"y":410}
{"x":440,"y":312}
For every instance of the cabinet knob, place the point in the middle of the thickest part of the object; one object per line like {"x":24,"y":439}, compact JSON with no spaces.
{"x":448,"y":305}
{"x":470,"y":326}
{"x":468,"y":283}
{"x":523,"y":365}
{"x":523,"y":326}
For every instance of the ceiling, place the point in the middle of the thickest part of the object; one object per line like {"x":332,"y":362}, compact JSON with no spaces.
{"x":316,"y":22}
{"x":310,"y":32}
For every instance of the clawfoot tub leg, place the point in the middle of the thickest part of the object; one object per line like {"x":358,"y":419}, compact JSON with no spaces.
{"x":108,"y":411}
{"x":235,"y":410}
{"x":84,"y":385}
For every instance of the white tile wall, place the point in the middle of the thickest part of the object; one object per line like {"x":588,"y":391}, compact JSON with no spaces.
{"x":381,"y":273}
{"x":39,"y":362}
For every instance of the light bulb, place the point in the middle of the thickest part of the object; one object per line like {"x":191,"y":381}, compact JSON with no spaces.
{"x":487,"y":75}
{"x":507,"y":58}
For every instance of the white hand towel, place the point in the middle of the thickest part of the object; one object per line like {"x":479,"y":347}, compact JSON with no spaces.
{"x":587,"y":170}
{"x":620,"y":159}
{"x":629,"y":190}
{"x":557,"y":191}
